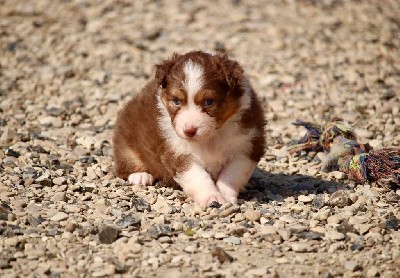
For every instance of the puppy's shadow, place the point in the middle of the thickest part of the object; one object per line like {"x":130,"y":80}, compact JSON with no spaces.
{"x":267,"y":187}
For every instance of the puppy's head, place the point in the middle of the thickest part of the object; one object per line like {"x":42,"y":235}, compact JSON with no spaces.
{"x":200,"y":92}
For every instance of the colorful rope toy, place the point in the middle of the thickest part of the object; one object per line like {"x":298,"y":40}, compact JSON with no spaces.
{"x":361,"y":164}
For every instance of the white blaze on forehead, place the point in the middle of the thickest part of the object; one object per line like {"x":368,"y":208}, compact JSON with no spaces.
{"x":193,"y":78}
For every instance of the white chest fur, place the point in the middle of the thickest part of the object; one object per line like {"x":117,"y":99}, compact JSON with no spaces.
{"x":231,"y":141}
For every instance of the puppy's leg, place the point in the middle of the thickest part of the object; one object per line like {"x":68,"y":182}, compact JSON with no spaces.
{"x":234,"y":176}
{"x":197,"y":183}
{"x":128,"y":164}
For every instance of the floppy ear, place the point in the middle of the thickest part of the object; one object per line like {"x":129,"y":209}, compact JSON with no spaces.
{"x":229,"y":70}
{"x":163,"y":68}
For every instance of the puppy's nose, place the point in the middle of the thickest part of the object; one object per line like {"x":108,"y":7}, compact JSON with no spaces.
{"x":190,"y":131}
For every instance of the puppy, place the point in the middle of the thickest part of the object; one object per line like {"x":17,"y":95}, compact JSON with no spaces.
{"x":198,"y":124}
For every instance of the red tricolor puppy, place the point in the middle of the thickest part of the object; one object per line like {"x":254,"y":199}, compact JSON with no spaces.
{"x":198,"y":124}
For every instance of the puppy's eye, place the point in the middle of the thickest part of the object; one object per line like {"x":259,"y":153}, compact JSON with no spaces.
{"x":208,"y":102}
{"x":176,"y":101}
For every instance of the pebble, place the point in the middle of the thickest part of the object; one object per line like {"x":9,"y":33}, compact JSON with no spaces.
{"x":321,"y":215}
{"x":220,"y":235}
{"x":59,"y":197}
{"x":299,"y":247}
{"x":334,"y":235}
{"x":285,"y":233}
{"x":340,"y":199}
{"x":297,"y":228}
{"x":373,"y":271}
{"x":60,"y":216}
{"x":257,"y":272}
{"x":232,"y":240}
{"x":252,"y":215}
{"x":228,"y":211}
{"x":334,"y":219}
{"x":351,"y":265}
{"x":108,"y":234}
{"x":305,"y":199}
{"x":159,"y":230}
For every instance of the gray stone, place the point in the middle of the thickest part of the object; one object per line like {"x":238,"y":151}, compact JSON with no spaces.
{"x":159,"y":230}
{"x":340,"y":199}
{"x":232,"y":240}
{"x":108,"y":234}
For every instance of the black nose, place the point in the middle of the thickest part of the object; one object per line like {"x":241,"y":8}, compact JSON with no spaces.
{"x":190,"y":132}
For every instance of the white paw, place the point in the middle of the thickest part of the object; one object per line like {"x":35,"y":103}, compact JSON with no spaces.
{"x":142,"y":178}
{"x":206,"y":200}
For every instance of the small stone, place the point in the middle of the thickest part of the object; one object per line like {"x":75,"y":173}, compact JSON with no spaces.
{"x":338,"y":175}
{"x":334,"y":235}
{"x":159,"y":230}
{"x":165,"y":239}
{"x":3,"y":213}
{"x":220,"y":235}
{"x":257,"y":272}
{"x":232,"y":240}
{"x":59,"y":180}
{"x":106,"y":270}
{"x":161,"y":206}
{"x":135,"y":248}
{"x":392,"y":197}
{"x":334,"y":219}
{"x":351,"y":265}
{"x":318,"y":202}
{"x":285,"y":233}
{"x":140,"y":204}
{"x":8,"y":135}
{"x":252,"y":215}
{"x":71,"y":227}
{"x":310,"y":235}
{"x":305,"y":199}
{"x":267,"y":230}
{"x":108,"y":234}
{"x":297,"y":228}
{"x":321,"y":215}
{"x":206,"y":234}
{"x":228,"y":211}
{"x":60,"y":216}
{"x":299,"y":247}
{"x":11,"y":152}
{"x":340,"y":199}
{"x":59,"y":197}
{"x":356,"y":247}
{"x":34,"y":221}
{"x":190,"y":249}
{"x":392,"y":224}
{"x":128,"y":221}
{"x":373,"y":271}
{"x":222,"y":256}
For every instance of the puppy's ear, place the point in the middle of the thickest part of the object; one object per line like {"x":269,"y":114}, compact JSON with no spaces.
{"x":163,"y":68}
{"x":229,"y":70}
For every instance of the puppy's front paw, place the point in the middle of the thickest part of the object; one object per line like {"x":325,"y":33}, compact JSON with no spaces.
{"x":142,"y":178}
{"x":206,"y":199}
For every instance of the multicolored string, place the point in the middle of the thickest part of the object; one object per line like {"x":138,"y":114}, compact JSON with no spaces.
{"x":358,"y":161}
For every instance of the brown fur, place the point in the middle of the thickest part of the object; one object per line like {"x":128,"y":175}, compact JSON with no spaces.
{"x":138,"y":142}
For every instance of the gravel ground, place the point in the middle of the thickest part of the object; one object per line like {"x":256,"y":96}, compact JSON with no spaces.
{"x":67,"y":66}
